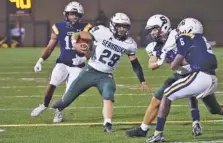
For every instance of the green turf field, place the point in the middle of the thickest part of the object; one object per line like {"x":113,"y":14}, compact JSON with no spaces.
{"x":21,"y":90}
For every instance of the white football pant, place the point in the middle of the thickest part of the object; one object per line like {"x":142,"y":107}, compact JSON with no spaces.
{"x":197,"y":84}
{"x":62,"y":72}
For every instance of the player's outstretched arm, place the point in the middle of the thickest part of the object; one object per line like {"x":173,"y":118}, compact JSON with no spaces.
{"x":138,"y":70}
{"x":46,"y":52}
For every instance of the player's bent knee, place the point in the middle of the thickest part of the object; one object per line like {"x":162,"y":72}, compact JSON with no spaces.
{"x":108,"y":90}
{"x":54,"y":83}
{"x":108,"y":96}
{"x":108,"y":93}
{"x":155,"y":102}
{"x":159,"y":93}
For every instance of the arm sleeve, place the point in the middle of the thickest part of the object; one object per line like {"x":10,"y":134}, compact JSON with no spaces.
{"x":138,"y":70}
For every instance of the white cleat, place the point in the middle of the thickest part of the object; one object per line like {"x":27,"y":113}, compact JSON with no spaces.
{"x":58,"y":116}
{"x":38,"y":110}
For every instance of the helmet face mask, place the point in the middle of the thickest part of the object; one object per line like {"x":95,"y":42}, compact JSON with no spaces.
{"x":73,"y":12}
{"x":122,"y":30}
{"x":73,"y":17}
{"x":120,"y":25}
{"x":158,"y":27}
{"x":157,"y":35}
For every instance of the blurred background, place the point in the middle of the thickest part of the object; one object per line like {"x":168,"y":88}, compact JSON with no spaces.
{"x":32,"y":19}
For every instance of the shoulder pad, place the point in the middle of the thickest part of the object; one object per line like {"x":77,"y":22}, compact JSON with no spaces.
{"x":87,"y":27}
{"x":187,"y":35}
{"x":100,"y":32}
{"x":171,"y":41}
{"x":55,"y":29}
{"x":130,"y":40}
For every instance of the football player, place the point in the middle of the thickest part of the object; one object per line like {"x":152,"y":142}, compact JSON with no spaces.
{"x":201,"y":81}
{"x":110,"y":45}
{"x":70,"y":62}
{"x":162,"y":48}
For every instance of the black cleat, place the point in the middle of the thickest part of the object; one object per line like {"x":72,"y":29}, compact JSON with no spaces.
{"x":136,"y":132}
{"x":108,"y":128}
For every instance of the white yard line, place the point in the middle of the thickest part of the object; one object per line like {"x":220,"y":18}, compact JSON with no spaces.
{"x":44,"y":71}
{"x":96,"y":124}
{"x":58,"y":95}
{"x":46,"y":78}
{"x":93,"y":107}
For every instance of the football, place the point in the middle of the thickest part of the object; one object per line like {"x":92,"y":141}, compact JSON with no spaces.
{"x":84,"y":40}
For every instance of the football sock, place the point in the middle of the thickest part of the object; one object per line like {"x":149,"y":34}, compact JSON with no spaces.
{"x":195,"y":115}
{"x":160,"y":124}
{"x":145,"y":127}
{"x":49,"y":95}
{"x":107,"y":121}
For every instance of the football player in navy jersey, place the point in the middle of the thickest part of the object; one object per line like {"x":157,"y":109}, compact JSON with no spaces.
{"x":69,"y":63}
{"x":201,"y":82}
{"x":162,"y":48}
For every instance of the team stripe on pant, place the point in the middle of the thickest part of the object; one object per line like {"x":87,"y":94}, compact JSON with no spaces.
{"x":181,"y":84}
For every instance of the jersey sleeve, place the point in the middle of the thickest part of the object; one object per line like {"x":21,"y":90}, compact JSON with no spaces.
{"x":98,"y":32}
{"x":55,"y":29}
{"x":150,"y":48}
{"x":132,"y":47}
{"x":87,"y":27}
{"x":171,"y":41}
{"x":183,"y":44}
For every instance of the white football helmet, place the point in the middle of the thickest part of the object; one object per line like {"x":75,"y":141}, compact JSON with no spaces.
{"x":190,"y":25}
{"x":160,"y":21}
{"x":74,"y":7}
{"x":120,"y":19}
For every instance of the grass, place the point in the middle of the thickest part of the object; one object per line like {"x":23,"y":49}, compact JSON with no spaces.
{"x":22,"y":90}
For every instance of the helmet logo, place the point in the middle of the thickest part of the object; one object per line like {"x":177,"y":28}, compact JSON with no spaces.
{"x":163,"y":19}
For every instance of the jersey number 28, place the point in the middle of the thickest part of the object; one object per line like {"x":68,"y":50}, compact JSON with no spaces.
{"x":108,"y":54}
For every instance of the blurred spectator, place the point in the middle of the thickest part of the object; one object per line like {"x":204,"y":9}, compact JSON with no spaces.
{"x":17,"y":36}
{"x":18,"y":33}
{"x":101,"y":19}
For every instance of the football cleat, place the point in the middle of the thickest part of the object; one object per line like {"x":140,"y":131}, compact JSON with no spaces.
{"x":197,"y":130}
{"x":38,"y":110}
{"x":108,"y":128}
{"x":136,"y":132}
{"x":157,"y":138}
{"x":58,"y":116}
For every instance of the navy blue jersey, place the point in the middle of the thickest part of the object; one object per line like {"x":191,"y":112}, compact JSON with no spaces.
{"x":64,"y":33}
{"x":197,"y":52}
